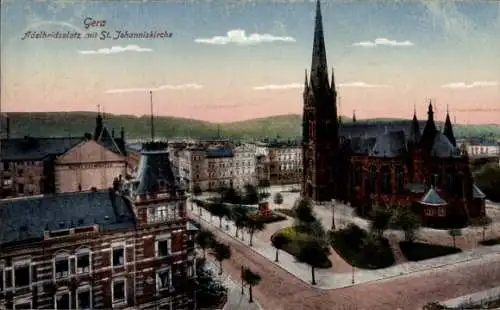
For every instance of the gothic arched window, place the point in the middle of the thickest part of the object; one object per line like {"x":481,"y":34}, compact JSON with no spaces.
{"x":358,"y":174}
{"x":386,"y":180}
{"x":400,"y":179}
{"x":372,"y":179}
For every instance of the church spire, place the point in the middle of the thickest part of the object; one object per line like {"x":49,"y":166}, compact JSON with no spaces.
{"x":306,"y":83}
{"x":448,"y":129}
{"x":354,"y":116}
{"x":319,"y":66}
{"x":333,"y":87}
{"x":98,"y":123}
{"x":430,"y":129}
{"x":414,"y":136}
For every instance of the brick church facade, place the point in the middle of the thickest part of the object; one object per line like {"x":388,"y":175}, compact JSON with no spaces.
{"x":372,"y":164}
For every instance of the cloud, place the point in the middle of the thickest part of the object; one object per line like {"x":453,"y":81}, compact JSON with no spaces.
{"x":163,"y":87}
{"x":362,"y":85}
{"x":279,"y":87}
{"x":239,"y":37}
{"x":301,"y":85}
{"x":384,"y":42}
{"x":117,"y":49}
{"x":462,"y":85}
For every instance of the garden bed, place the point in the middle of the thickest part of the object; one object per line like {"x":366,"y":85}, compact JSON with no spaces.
{"x":359,"y":250}
{"x":295,"y":244}
{"x":272,"y":219}
{"x":490,"y":242}
{"x":287,"y":212}
{"x":417,"y":251}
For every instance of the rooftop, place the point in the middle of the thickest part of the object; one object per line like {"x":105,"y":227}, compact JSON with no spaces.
{"x":26,"y":219}
{"x":36,"y":148}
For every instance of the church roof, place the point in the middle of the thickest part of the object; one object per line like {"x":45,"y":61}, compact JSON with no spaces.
{"x":36,"y":148}
{"x":27,"y":218}
{"x":477,"y":192}
{"x":389,"y":144}
{"x":432,"y":198}
{"x":442,"y":147}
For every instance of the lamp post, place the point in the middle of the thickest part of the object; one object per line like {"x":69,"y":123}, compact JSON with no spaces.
{"x":333,"y":214}
{"x":242,"y":286}
{"x":352,"y":279}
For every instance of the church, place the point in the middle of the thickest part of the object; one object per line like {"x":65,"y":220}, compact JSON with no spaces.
{"x":371,"y":164}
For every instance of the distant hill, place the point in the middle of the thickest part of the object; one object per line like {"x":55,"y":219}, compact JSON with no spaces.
{"x":284,"y":126}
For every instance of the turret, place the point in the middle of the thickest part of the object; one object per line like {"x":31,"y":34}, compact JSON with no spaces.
{"x":414,"y":135}
{"x":354,"y":116}
{"x":430,"y":130}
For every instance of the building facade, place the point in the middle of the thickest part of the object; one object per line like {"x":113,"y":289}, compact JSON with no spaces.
{"x":100,"y":249}
{"x":392,"y":165}
{"x":279,"y":162}
{"x":34,"y":165}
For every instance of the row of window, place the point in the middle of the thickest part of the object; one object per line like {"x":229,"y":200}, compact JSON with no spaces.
{"x":83,"y":297}
{"x":441,"y":211}
{"x":20,"y":275}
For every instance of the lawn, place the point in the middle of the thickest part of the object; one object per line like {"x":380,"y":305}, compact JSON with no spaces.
{"x":287,"y":212}
{"x":490,"y":242}
{"x":297,"y":239}
{"x":358,"y":249}
{"x":417,"y":251}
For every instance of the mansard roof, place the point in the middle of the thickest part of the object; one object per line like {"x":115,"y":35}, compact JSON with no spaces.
{"x":432,"y":198}
{"x":36,"y":148}
{"x":25,"y":219}
{"x":219,"y":152}
{"x":154,"y":172}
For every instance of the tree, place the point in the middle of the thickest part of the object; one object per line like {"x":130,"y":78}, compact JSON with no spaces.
{"x":251,"y":279}
{"x":239,"y":215}
{"x":454,"y":232}
{"x":484,"y":222}
{"x":222,"y":252}
{"x":381,"y":217}
{"x":253,"y":224}
{"x":219,"y":210}
{"x":403,"y":218}
{"x":304,"y":213}
{"x":209,"y":289}
{"x":278,"y":198}
{"x":488,"y":180}
{"x":205,"y":239}
{"x":251,"y":194}
{"x":196,"y":193}
{"x":312,"y":253}
{"x":279,"y":241}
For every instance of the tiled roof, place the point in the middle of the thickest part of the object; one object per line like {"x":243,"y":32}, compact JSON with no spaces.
{"x":432,"y":198}
{"x":28,"y":218}
{"x":154,"y":172}
{"x":219,"y":152}
{"x":31,"y":148}
{"x":477,"y":192}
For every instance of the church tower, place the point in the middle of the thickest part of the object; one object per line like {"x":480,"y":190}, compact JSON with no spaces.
{"x":320,"y":127}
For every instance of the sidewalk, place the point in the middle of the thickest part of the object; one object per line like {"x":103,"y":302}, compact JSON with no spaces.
{"x":235,"y":301}
{"x":326,"y":279}
{"x":475,"y":299}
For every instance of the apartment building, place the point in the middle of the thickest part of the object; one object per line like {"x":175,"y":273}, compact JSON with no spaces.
{"x":244,"y":164}
{"x":280,"y":162}
{"x":100,"y":249}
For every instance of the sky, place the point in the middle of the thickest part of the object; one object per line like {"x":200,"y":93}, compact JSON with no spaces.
{"x":235,"y":60}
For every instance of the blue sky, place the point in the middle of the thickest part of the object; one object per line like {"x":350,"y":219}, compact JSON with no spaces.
{"x":452,"y":55}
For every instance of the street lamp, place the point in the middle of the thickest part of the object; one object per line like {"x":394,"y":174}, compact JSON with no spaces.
{"x":242,"y":283}
{"x":333,"y":214}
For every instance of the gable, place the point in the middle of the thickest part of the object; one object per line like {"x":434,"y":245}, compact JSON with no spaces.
{"x":89,"y":152}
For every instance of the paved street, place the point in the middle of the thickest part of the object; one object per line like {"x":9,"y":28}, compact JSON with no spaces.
{"x":476,"y":272}
{"x":281,"y":290}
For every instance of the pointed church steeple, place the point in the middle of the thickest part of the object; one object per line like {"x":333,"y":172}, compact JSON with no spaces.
{"x":333,"y":87}
{"x":448,"y":129}
{"x":319,"y":66}
{"x":430,"y":129}
{"x":306,"y":83}
{"x":414,"y":136}
{"x":354,"y":116}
